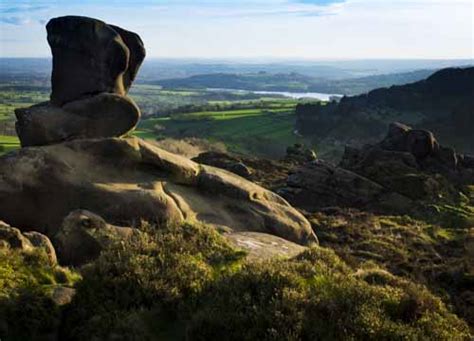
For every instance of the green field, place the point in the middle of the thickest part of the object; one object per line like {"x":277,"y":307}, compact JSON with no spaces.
{"x":8,"y":143}
{"x":264,"y":131}
{"x":245,"y":123}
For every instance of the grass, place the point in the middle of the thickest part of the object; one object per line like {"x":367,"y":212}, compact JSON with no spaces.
{"x":426,"y":253}
{"x":27,"y":280}
{"x":8,"y":143}
{"x":266,"y":130}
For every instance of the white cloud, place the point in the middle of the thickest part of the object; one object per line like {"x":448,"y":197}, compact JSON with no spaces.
{"x":277,"y":28}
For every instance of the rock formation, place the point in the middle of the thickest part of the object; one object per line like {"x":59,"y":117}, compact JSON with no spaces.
{"x":406,"y":168}
{"x":94,"y":65}
{"x":73,"y":162}
{"x":125,"y":180}
{"x":83,"y":235}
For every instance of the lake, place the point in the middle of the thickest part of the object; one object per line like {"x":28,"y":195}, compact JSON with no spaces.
{"x":295,"y":95}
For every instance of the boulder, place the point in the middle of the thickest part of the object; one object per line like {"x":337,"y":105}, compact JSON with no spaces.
{"x":39,"y":240}
{"x":63,"y":295}
{"x":103,"y":115}
{"x":261,"y":246}
{"x":94,"y":65}
{"x":125,"y":180}
{"x":91,"y":57}
{"x":241,"y":169}
{"x":421,"y":143}
{"x":225,"y":161}
{"x":83,"y":235}
{"x":13,"y":238}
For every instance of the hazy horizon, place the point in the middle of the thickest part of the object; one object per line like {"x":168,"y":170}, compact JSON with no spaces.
{"x":308,"y":30}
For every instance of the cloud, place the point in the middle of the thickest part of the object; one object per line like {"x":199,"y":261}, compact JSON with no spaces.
{"x":22,"y":9}
{"x":21,"y":14}
{"x":17,"y":21}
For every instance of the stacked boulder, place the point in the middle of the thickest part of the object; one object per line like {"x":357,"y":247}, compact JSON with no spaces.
{"x":73,"y":159}
{"x":94,"y":65}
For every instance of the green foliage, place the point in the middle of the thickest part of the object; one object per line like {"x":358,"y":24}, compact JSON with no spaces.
{"x":454,"y":216}
{"x":315,"y":297}
{"x":160,"y":271}
{"x":26,"y":283}
{"x":262,"y":128}
{"x":186,"y":281}
{"x":8,"y":143}
{"x":422,"y":252}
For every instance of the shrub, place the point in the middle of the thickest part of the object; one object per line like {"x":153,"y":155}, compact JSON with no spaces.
{"x":313,"y":299}
{"x":26,"y":283}
{"x":160,"y":272}
{"x":187,"y":282}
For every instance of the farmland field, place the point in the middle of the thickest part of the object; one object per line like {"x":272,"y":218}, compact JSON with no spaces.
{"x":8,"y":143}
{"x":266,"y":130}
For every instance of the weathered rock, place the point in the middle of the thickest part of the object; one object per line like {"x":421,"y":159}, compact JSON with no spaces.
{"x":421,"y":143}
{"x":241,"y":169}
{"x":404,"y":172}
{"x":91,"y":57}
{"x":261,"y":246}
{"x":137,"y":54}
{"x":63,"y":295}
{"x":103,"y":115}
{"x":125,"y":180}
{"x":94,"y":65}
{"x":225,"y":161}
{"x":12,"y":237}
{"x":320,"y":184}
{"x":39,"y":240}
{"x":83,"y":235}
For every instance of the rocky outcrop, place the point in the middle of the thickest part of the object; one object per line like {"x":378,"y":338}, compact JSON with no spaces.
{"x":320,"y":185}
{"x":94,"y":65}
{"x":125,"y":180}
{"x":407,"y":168}
{"x":13,"y":238}
{"x":412,"y":162}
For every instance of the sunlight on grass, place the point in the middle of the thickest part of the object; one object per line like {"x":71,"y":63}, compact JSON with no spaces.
{"x":8,"y":143}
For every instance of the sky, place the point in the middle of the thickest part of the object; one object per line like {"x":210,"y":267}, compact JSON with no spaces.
{"x":281,"y":29}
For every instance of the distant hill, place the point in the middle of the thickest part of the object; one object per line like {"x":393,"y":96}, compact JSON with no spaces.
{"x":444,"y":103}
{"x":292,"y":82}
{"x":261,"y":81}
